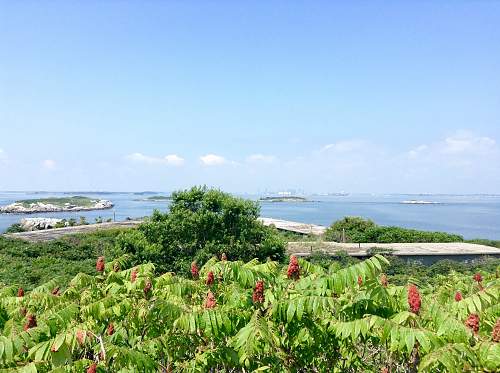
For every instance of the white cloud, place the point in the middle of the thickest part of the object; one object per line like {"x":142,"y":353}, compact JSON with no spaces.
{"x":49,"y":164}
{"x":467,"y":142}
{"x":261,"y":158}
{"x":345,"y":146}
{"x":174,"y":159}
{"x":3,"y":156}
{"x":415,"y":153}
{"x":171,"y":159}
{"x":212,"y":160}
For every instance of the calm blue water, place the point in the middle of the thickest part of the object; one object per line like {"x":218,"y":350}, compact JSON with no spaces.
{"x":470,"y":216}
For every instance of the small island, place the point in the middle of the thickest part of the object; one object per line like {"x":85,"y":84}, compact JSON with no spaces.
{"x":283,"y":199}
{"x":54,"y":204}
{"x":155,"y":199}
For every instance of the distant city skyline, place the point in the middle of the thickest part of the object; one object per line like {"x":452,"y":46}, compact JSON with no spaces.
{"x":370,"y":97}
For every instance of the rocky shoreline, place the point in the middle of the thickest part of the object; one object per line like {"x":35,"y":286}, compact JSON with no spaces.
{"x":37,"y":207}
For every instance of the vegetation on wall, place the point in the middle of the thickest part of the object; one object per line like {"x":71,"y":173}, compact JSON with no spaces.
{"x":357,"y":229}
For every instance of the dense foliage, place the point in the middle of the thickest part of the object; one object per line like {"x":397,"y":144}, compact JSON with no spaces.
{"x":356,"y":229}
{"x":251,"y":316}
{"x":31,"y":264}
{"x":201,"y":223}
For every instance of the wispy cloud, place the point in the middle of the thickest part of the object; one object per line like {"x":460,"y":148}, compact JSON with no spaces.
{"x":171,"y":159}
{"x":261,"y":158}
{"x":213,"y":160}
{"x":345,"y":146}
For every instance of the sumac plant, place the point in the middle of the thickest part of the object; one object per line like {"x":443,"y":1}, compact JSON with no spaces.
{"x":259,"y":318}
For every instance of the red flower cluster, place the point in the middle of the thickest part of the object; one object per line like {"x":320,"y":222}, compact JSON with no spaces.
{"x":147,"y":287}
{"x":495,"y":334}
{"x":133,"y":275}
{"x":80,"y":337}
{"x":360,"y":281}
{"x":30,"y":323}
{"x":458,"y":296}
{"x":20,"y":292}
{"x":258,"y":292}
{"x":210,"y":301}
{"x":477,"y":277}
{"x":293,"y":268}
{"x":116,"y":267}
{"x":223,"y":257}
{"x":210,"y":278}
{"x":195,"y":271}
{"x":111,"y":329}
{"x":472,"y":322}
{"x":55,"y":291}
{"x":383,"y":280}
{"x":99,"y":265}
{"x":414,"y":300}
{"x":92,"y":368}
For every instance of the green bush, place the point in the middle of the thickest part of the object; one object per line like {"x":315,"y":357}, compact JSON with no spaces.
{"x":202,"y":223}
{"x":15,"y":228}
{"x":357,"y":229}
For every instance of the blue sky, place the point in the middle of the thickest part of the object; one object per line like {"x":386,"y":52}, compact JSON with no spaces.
{"x":247,"y":96}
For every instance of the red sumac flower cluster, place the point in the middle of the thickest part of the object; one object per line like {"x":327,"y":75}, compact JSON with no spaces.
{"x":80,"y":336}
{"x":133,"y":275}
{"x":99,"y":265}
{"x":195,"y":271}
{"x":477,"y":277}
{"x":293,"y":268}
{"x":55,"y":291}
{"x":20,"y":292}
{"x":458,"y":296}
{"x":258,"y":292}
{"x":111,"y":329}
{"x":472,"y":322}
{"x":414,"y":300}
{"x":360,"y":281}
{"x":30,"y":322}
{"x":210,"y":278}
{"x":383,"y":280}
{"x":210,"y":301}
{"x":92,"y":368}
{"x":147,"y":287}
{"x":495,"y":334}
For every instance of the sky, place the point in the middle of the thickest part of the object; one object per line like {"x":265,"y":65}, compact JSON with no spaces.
{"x":362,"y":96}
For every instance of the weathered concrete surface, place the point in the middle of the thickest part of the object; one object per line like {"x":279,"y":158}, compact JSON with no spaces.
{"x":294,"y":226}
{"x":52,"y":234}
{"x":399,"y":249}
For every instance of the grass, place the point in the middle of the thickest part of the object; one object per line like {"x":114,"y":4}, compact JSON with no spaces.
{"x":60,"y":202}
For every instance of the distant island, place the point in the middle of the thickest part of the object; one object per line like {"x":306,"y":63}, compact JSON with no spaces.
{"x":283,"y":199}
{"x":157,"y":198}
{"x":75,"y":203}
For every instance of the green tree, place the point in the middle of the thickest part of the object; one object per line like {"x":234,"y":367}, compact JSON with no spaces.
{"x":202,"y":223}
{"x":354,"y":228}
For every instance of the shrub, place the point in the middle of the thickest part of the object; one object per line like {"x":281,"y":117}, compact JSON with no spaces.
{"x":356,"y":229}
{"x":200,"y":224}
